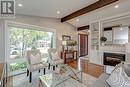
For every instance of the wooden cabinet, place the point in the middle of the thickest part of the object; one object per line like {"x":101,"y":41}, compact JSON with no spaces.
{"x":73,"y":56}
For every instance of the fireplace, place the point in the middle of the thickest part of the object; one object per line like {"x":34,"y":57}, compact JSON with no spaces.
{"x":113,"y":58}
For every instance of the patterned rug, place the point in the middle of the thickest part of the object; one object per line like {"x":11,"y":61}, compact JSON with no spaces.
{"x":23,"y":81}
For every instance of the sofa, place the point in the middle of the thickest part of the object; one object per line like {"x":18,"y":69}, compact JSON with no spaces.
{"x":101,"y":81}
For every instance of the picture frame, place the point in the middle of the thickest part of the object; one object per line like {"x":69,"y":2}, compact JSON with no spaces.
{"x":65,"y":38}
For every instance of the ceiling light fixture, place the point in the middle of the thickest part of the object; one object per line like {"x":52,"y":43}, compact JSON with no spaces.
{"x":77,"y":19}
{"x":58,"y":12}
{"x":117,"y":6}
{"x":20,"y":5}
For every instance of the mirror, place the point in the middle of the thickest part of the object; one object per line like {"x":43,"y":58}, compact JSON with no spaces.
{"x":116,"y":31}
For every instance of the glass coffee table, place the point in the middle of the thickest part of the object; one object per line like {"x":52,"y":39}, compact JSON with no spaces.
{"x":63,"y":76}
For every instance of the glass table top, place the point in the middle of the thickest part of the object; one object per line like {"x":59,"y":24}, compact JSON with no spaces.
{"x":60,"y":75}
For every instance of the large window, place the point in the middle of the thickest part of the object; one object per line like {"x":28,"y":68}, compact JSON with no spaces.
{"x":22,"y":39}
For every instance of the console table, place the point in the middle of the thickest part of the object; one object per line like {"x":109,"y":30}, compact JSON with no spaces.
{"x":69,"y":59}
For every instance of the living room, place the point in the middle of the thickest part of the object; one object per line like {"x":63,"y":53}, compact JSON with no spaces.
{"x":68,"y":43}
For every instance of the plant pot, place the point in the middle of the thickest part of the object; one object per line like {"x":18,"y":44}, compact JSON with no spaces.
{"x":103,"y":44}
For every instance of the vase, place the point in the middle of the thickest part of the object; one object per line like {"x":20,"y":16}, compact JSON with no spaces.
{"x":103,"y":44}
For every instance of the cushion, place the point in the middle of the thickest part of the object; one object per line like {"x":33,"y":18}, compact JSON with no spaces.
{"x":35,"y":59}
{"x":127,"y":69}
{"x":55,"y":56}
{"x":109,"y":69}
{"x":119,"y":78}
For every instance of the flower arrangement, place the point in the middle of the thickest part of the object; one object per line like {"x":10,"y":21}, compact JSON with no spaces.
{"x":72,"y":43}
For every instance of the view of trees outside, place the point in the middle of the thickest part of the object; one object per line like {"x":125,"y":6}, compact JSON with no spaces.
{"x":22,"y":40}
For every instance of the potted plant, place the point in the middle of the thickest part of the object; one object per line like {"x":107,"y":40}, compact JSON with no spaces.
{"x":103,"y":40}
{"x":72,"y":43}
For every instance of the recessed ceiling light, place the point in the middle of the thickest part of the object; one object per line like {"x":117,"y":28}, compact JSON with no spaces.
{"x":58,"y":12}
{"x":117,"y":6}
{"x":77,"y":19}
{"x":20,"y":5}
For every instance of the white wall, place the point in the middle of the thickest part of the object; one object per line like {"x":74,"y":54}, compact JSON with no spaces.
{"x":123,"y":21}
{"x":115,"y":48}
{"x":2,"y":42}
{"x":96,"y":56}
{"x":61,"y":28}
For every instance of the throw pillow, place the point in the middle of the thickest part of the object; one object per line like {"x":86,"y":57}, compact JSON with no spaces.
{"x":35,"y":59}
{"x":109,"y":69}
{"x":119,"y":78}
{"x":55,"y":56}
{"x":127,"y":69}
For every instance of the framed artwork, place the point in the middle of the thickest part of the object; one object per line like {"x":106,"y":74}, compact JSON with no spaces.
{"x":65,"y":38}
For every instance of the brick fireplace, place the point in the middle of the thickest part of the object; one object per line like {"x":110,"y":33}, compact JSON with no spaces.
{"x":113,"y":58}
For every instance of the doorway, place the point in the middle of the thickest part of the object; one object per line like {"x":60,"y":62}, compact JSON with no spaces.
{"x":83,"y":44}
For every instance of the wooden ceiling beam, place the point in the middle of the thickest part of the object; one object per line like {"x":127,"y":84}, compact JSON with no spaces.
{"x":83,"y":28}
{"x":92,"y":7}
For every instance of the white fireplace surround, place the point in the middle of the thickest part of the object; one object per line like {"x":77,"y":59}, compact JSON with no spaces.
{"x":110,"y":49}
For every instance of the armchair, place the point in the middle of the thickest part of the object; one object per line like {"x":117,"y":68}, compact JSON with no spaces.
{"x":54,"y":61}
{"x":34,"y":62}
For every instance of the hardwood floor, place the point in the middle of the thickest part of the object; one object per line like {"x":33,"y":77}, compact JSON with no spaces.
{"x":87,"y":67}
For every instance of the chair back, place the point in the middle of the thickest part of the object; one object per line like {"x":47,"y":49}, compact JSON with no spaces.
{"x":33,"y":57}
{"x":51,"y":50}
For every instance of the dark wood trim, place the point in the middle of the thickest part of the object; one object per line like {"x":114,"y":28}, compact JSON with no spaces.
{"x":66,"y":36}
{"x":110,"y":28}
{"x":30,"y":77}
{"x":83,"y":28}
{"x":92,"y":7}
{"x":107,"y":28}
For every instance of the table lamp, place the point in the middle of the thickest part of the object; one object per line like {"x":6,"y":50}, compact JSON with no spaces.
{"x":64,"y":43}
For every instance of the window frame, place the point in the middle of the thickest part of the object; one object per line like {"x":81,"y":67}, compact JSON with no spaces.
{"x":24,"y":26}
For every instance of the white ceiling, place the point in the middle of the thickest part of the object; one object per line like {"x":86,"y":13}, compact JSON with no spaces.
{"x":102,"y":13}
{"x":49,"y":8}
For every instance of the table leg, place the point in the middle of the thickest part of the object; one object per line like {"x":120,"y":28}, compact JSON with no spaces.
{"x":81,"y":76}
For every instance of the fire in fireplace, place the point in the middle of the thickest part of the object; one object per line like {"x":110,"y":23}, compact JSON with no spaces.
{"x":113,"y":58}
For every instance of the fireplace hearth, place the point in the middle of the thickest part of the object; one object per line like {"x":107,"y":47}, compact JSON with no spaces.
{"x":113,"y":58}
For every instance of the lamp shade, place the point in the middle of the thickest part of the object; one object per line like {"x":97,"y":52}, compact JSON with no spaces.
{"x":64,"y":43}
{"x":127,"y":47}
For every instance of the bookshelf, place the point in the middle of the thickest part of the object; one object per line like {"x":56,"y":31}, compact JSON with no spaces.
{"x":95,"y":39}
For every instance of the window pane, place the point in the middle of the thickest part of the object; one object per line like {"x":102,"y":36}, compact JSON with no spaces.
{"x":22,"y":40}
{"x":17,"y":66}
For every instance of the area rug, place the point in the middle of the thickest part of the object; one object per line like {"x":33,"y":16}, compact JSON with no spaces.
{"x":23,"y":81}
